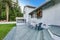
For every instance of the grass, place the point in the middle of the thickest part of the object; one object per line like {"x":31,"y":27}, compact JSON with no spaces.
{"x":4,"y":29}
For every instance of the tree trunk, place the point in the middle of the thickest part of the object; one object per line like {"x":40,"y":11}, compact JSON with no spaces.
{"x":7,"y":12}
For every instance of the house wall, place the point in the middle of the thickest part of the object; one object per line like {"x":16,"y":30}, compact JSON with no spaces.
{"x":27,"y":10}
{"x":51,"y":15}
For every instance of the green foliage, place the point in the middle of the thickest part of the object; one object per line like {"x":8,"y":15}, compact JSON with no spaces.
{"x":4,"y":29}
{"x":14,"y":11}
{"x":3,"y":15}
{"x":2,"y":11}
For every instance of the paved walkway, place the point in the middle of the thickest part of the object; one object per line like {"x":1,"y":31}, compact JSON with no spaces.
{"x":22,"y":32}
{"x":11,"y":34}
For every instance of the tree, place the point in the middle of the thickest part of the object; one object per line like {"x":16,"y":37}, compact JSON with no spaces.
{"x":8,"y":11}
{"x":7,"y":4}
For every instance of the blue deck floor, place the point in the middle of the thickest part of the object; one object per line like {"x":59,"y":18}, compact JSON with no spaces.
{"x":22,"y":32}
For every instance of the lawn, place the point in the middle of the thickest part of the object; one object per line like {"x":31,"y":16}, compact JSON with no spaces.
{"x":4,"y":29}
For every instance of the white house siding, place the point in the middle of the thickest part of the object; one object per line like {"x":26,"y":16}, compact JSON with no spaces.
{"x":27,"y":10}
{"x":51,"y":15}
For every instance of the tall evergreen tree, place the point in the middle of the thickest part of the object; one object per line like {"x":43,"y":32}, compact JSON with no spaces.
{"x":8,"y":11}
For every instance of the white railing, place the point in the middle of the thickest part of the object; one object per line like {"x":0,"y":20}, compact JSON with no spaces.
{"x":20,"y":21}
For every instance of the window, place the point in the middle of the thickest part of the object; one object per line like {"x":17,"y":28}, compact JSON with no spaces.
{"x":39,"y":13}
{"x":36,"y":14}
{"x":31,"y":15}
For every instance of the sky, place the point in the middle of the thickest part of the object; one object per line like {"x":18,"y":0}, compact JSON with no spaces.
{"x":34,"y":3}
